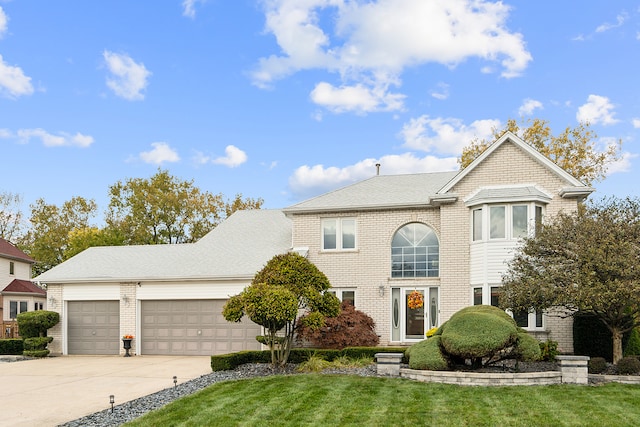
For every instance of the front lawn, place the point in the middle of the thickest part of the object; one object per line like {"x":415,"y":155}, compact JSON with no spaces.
{"x":346,"y":400}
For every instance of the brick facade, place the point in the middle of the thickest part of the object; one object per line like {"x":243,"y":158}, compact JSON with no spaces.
{"x":368,"y":268}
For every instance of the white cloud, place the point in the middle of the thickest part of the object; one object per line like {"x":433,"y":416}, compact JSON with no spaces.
{"x":598,"y":109}
{"x":128,"y":79}
{"x":308,"y":181}
{"x":160,"y":153}
{"x":358,"y":98}
{"x":371,"y":43}
{"x":529,"y":106}
{"x":63,"y":139}
{"x":622,"y":165}
{"x":13,"y":82}
{"x":447,"y":136}
{"x":3,"y":22}
{"x":234,"y":157}
{"x":442,"y":91}
{"x":636,"y":123}
{"x":189,"y":8}
{"x":608,"y":26}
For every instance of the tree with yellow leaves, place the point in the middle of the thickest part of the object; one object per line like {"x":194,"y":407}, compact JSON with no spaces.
{"x":574,"y":150}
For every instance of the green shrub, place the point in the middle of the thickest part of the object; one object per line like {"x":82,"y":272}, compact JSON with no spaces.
{"x":527,"y":348}
{"x":597,"y":365}
{"x":427,"y":355}
{"x":226,"y":362}
{"x":633,"y":345}
{"x":35,"y":323}
{"x":11,"y":346}
{"x":36,"y":346}
{"x":478,"y":332}
{"x":628,"y":365}
{"x":549,"y":350}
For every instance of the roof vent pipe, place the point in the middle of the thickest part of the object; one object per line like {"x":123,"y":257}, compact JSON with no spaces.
{"x":377,"y":168}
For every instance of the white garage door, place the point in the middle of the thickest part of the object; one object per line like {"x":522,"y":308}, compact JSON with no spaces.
{"x":193,"y":328}
{"x":93,"y":327}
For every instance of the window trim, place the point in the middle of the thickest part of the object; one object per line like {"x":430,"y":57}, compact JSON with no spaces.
{"x":535,"y":215}
{"x":399,"y":309}
{"x":339,"y":293}
{"x":338,"y":222}
{"x":12,"y":268}
{"x":431,"y":258}
{"x":486,"y":299}
{"x":19,"y":304}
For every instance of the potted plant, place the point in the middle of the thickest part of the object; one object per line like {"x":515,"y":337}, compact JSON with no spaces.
{"x":126,"y":343}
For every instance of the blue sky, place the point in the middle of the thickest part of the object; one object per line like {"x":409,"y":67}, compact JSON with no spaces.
{"x":286,"y":99}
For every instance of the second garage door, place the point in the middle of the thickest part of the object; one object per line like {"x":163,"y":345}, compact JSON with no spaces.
{"x":193,"y":328}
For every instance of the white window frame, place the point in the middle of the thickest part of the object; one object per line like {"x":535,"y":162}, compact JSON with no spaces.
{"x":486,"y":300}
{"x":338,"y":223}
{"x":339,"y":293}
{"x":485,"y":223}
{"x":402,"y":312}
{"x":532,"y":319}
{"x":19,"y":307}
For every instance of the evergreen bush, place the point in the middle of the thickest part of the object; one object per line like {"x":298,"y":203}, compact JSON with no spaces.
{"x":597,"y":365}
{"x":481,"y":335}
{"x":427,"y":355}
{"x":12,"y":346}
{"x":628,"y":365}
{"x":35,"y":323}
{"x":592,"y":338}
{"x":633,"y":344}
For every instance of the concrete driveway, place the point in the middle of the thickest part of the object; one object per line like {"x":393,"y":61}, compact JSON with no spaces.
{"x":54,"y":390}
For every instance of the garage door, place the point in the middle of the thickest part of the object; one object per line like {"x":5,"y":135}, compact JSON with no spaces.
{"x":93,"y":327}
{"x":193,"y":328}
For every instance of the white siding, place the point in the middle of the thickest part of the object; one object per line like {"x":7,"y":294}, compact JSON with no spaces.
{"x":158,"y":291}
{"x":489,"y":260}
{"x":91,"y":292}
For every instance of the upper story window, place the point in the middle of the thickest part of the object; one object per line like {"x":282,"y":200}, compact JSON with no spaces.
{"x":415,"y":252}
{"x":12,"y":268}
{"x":508,"y":221}
{"x":338,"y":234}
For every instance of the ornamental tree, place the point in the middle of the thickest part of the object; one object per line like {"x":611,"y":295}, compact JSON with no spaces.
{"x":574,"y":150}
{"x":588,"y":262}
{"x":288,"y":285}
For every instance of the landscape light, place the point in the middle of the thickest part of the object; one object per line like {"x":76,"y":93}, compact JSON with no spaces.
{"x":112,"y":401}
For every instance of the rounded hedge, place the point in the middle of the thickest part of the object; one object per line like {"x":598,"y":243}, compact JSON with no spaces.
{"x":426,"y":355}
{"x":478,"y":331}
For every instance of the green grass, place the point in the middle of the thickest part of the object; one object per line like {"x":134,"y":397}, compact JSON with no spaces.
{"x":345,"y":400}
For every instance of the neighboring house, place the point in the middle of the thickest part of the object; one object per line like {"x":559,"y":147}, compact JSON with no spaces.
{"x":17,"y":293}
{"x":448,"y":235}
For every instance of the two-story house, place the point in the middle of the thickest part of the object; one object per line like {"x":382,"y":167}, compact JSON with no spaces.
{"x":448,"y":235}
{"x":17,"y":292}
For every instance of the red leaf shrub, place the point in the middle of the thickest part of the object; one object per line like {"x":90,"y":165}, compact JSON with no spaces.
{"x":351,"y":328}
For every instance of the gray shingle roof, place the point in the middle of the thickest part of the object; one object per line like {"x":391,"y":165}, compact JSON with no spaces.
{"x":237,"y":248}
{"x":504,"y":194}
{"x":381,"y":191}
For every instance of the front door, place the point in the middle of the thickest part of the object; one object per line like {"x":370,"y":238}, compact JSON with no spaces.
{"x":409,"y":322}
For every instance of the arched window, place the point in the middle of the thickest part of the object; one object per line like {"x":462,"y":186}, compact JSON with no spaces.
{"x":415,"y":252}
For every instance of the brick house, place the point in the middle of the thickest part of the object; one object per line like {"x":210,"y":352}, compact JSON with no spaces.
{"x":448,"y":235}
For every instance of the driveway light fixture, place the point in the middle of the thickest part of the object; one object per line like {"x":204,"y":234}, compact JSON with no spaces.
{"x":112,"y":400}
{"x":175,"y":382}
